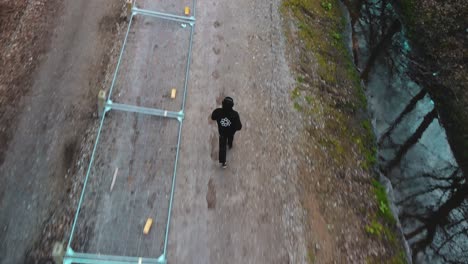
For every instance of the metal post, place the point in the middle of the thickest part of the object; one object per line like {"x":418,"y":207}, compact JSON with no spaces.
{"x":181,"y":19}
{"x":101,"y":102}
{"x":87,"y":258}
{"x":58,"y":252}
{"x":129,"y":5}
{"x":105,"y":105}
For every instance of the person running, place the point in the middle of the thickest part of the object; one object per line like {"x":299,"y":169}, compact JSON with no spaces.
{"x":228,"y":124}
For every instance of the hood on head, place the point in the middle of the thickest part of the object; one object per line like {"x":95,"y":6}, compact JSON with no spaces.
{"x":228,"y":103}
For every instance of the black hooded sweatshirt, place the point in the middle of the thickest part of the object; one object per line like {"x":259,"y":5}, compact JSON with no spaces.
{"x":228,"y":120}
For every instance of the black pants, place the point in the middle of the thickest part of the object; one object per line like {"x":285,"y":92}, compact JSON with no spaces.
{"x":224,"y":140}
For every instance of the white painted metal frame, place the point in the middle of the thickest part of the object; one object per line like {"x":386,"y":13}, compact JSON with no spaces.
{"x":85,"y":258}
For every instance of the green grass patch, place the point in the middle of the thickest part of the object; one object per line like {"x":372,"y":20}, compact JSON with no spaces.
{"x":300,"y":79}
{"x":326,"y":5}
{"x":319,"y":27}
{"x":298,"y":107}
{"x":314,"y":107}
{"x":327,"y":69}
{"x":334,"y":146}
{"x":382,"y":201}
{"x":381,"y":231}
{"x":310,"y":256}
{"x":309,"y":99}
{"x":366,"y":144}
{"x":295,"y":93}
{"x":366,"y":124}
{"x":374,"y":228}
{"x":398,"y":258}
{"x":383,"y":224}
{"x":334,"y":61}
{"x":336,"y":36}
{"x":335,"y":98}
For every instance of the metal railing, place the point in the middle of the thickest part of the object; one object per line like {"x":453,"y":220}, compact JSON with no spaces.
{"x":86,"y":258}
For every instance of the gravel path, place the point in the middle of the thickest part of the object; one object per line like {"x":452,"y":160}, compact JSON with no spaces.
{"x":54,"y":115}
{"x":248,"y":213}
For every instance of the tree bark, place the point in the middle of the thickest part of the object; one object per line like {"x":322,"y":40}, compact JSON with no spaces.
{"x":413,"y":139}
{"x":441,"y":216}
{"x":381,"y":46}
{"x":409,"y":107}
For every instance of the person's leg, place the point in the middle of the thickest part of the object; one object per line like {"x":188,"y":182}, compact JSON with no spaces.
{"x":222,"y":149}
{"x":230,"y":140}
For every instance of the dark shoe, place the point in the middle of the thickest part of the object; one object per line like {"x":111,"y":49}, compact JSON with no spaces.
{"x":224,"y":165}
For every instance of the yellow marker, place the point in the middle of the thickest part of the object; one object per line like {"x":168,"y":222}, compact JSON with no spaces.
{"x":173,"y":93}
{"x":187,"y":11}
{"x":148,"y":224}
{"x":129,"y":4}
{"x":101,"y":102}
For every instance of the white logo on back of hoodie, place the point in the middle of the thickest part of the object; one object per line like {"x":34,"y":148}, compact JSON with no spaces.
{"x":225,"y":122}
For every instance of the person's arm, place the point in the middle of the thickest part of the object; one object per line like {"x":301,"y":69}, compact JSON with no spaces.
{"x":239,"y":124}
{"x":214,"y":115}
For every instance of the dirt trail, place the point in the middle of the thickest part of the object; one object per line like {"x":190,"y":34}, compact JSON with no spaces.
{"x":250,"y":212}
{"x":56,"y":111}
